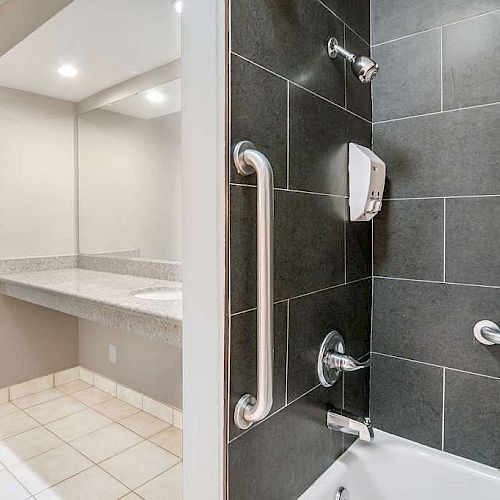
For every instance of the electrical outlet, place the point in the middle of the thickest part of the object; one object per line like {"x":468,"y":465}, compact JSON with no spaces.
{"x":112,"y":354}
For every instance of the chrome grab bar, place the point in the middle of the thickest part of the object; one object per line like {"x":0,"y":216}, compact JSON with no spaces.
{"x":487,"y":332}
{"x":250,"y":409}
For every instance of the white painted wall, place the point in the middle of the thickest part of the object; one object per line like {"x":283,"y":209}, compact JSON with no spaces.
{"x":37,"y":210}
{"x":130,"y":184}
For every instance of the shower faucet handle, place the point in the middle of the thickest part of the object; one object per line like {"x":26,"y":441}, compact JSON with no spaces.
{"x":332,"y":360}
{"x":343,"y":362}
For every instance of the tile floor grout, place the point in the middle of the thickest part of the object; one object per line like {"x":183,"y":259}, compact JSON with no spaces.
{"x":93,"y":463}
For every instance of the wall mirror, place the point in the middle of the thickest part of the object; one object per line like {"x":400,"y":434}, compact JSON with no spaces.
{"x":90,"y":131}
{"x":129,"y":175}
{"x":129,"y":152}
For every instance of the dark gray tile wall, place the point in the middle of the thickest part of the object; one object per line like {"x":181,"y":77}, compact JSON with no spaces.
{"x":302,"y":110}
{"x":394,"y":18}
{"x":407,"y":398}
{"x":472,"y":405}
{"x":408,"y":239}
{"x":358,"y":97}
{"x":413,"y":85}
{"x":436,"y":264}
{"x":476,"y":82}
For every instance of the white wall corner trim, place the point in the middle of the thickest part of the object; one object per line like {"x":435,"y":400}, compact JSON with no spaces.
{"x":203,"y":138}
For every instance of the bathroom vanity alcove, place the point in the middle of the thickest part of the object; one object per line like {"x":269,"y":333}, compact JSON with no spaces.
{"x":62,"y":284}
{"x":91,"y":166}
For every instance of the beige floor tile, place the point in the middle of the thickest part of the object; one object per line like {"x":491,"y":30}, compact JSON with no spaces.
{"x":170,"y":439}
{"x":131,"y":496}
{"x":116,"y":409}
{"x":106,"y":442}
{"x":37,"y":398}
{"x":31,"y":386}
{"x":15,"y":423}
{"x":10,"y":488}
{"x":75,"y":386}
{"x":167,"y":485}
{"x":145,"y":424}
{"x":92,"y":484}
{"x":92,"y":396}
{"x":78,"y":424}
{"x":7,"y":409}
{"x":26,"y":445}
{"x":47,"y":469}
{"x":55,"y":409}
{"x":139,"y":464}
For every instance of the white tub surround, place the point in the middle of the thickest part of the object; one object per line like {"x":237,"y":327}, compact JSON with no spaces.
{"x":102,"y":297}
{"x":393,"y":468}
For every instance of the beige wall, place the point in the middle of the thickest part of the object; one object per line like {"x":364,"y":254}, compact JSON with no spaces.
{"x":37,"y":210}
{"x":34,"y":341}
{"x":147,"y":366}
{"x":37,"y":217}
{"x":129,"y":184}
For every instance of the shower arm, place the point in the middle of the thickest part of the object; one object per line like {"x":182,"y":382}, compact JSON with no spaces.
{"x":334,"y":49}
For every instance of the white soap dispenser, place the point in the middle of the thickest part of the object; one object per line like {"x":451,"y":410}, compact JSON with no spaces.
{"x":366,"y":183}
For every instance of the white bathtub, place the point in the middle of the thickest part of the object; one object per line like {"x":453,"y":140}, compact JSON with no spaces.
{"x":392,"y":468}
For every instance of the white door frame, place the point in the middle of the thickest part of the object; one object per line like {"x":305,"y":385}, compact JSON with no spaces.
{"x":203,"y":215}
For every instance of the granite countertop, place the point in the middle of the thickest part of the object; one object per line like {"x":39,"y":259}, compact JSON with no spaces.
{"x":101,"y":296}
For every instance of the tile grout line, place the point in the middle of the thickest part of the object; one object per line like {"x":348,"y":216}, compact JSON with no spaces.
{"x":435,"y":365}
{"x":395,"y":278}
{"x":94,"y":463}
{"x":346,"y":215}
{"x":287,"y":348}
{"x":306,"y":294}
{"x":432,"y":113}
{"x":301,"y":87}
{"x":274,"y":413}
{"x":288,"y":134}
{"x":451,"y":197}
{"x":451,"y":23}
{"x":340,"y":196}
{"x":442,"y":411}
{"x":342,"y":21}
{"x":330,"y":101}
{"x":441,"y":64}
{"x":444,"y":240}
{"x":64,"y":443}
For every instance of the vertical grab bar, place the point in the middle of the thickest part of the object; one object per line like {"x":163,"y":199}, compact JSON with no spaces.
{"x":250,"y":409}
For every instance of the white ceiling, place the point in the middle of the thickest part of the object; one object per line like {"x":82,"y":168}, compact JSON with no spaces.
{"x":108,"y":41}
{"x":140,"y":106}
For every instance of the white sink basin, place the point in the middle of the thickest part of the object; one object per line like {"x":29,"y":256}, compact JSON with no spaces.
{"x":167,"y":293}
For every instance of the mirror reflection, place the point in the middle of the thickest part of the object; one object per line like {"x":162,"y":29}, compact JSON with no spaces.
{"x":129,"y":163}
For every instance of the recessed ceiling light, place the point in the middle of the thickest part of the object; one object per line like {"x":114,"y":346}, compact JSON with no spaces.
{"x":178,"y":6}
{"x":67,"y":70}
{"x":155,"y":96}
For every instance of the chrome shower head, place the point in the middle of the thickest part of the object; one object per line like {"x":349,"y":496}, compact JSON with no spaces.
{"x":364,"y":68}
